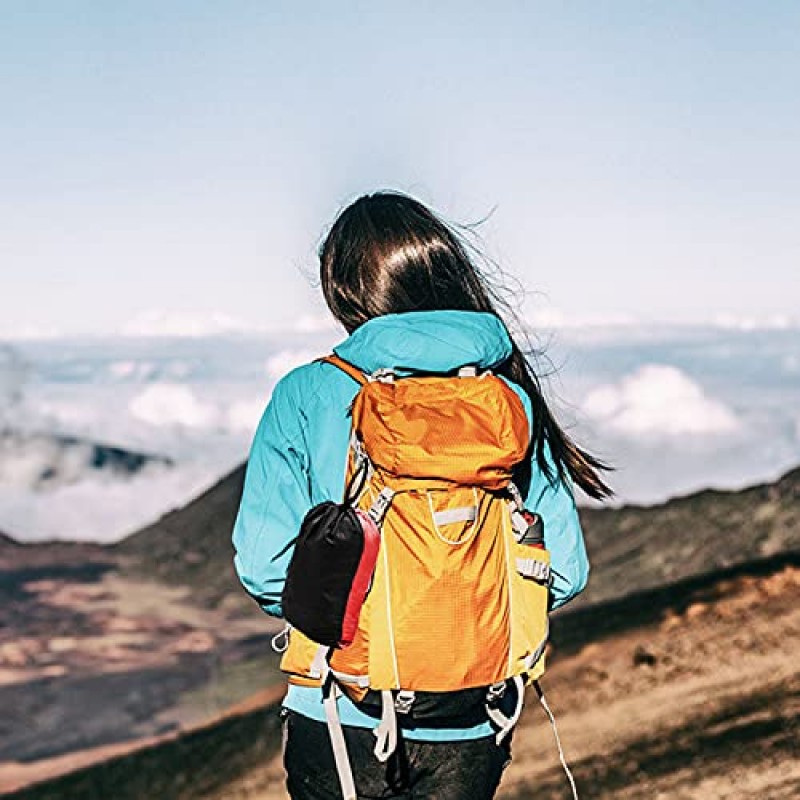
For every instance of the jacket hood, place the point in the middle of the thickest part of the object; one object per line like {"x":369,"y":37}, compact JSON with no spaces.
{"x":427,"y":341}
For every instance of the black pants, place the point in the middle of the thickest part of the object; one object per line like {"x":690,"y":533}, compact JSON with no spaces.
{"x":463,"y":770}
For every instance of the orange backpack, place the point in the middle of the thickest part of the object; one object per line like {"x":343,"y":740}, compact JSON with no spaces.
{"x":458,"y":601}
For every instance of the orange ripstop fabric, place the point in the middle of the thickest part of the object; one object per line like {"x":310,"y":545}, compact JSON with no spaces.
{"x":471,"y":431}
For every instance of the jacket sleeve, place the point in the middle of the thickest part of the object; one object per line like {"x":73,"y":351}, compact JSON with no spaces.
{"x":555,"y":503}
{"x":275,"y":499}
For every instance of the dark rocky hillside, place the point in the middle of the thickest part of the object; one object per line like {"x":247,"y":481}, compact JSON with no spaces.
{"x":635,"y":548}
{"x":192,"y":545}
{"x":7,"y":543}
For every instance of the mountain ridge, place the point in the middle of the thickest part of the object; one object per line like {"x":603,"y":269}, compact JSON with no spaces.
{"x":708,"y":529}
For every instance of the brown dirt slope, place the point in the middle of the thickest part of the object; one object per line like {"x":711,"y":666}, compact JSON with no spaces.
{"x":701,"y":701}
{"x":699,"y":697}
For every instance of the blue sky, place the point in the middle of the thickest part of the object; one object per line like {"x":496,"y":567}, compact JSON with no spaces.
{"x":642,"y":159}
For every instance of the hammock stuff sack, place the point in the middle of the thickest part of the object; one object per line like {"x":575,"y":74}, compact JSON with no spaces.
{"x":330,"y":573}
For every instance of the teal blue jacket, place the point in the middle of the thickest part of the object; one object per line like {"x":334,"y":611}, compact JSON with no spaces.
{"x":299,"y":454}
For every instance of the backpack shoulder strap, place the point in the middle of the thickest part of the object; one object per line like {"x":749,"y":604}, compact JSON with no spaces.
{"x":345,"y":366}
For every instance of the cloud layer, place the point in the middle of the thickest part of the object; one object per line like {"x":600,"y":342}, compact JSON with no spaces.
{"x":659,"y":401}
{"x":672,"y":410}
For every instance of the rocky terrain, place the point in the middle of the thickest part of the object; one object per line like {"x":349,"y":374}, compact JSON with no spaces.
{"x":637,"y":547}
{"x":695,"y":697}
{"x":684,"y":647}
{"x":94,"y":652}
{"x":690,"y":693}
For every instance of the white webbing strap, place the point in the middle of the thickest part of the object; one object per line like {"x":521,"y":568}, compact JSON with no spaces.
{"x":561,"y":756}
{"x":338,"y":744}
{"x":518,"y":522}
{"x":504,"y":723}
{"x":363,"y":470}
{"x":319,"y":665}
{"x":516,"y":496}
{"x":386,"y":732}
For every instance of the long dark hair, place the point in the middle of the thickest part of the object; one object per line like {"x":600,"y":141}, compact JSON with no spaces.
{"x":387,"y":253}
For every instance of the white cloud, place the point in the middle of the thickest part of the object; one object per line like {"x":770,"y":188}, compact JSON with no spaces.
{"x":286,"y":360}
{"x":552,"y":318}
{"x":184,"y":324}
{"x":129,"y":370}
{"x":791,"y":363}
{"x":652,"y":423}
{"x":658,"y":401}
{"x":24,"y":460}
{"x":316,"y":323}
{"x":123,"y":369}
{"x":171,"y":404}
{"x":243,"y":415}
{"x":43,"y":462}
{"x":770,"y":322}
{"x":99,"y":509}
{"x":29,"y":333}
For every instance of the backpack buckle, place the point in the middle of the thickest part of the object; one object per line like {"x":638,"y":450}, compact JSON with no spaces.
{"x":495,"y":692}
{"x":383,"y":375}
{"x":404,"y":700}
{"x":381,"y":505}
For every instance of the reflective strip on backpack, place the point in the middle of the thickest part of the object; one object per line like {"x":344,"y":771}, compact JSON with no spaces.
{"x":362,"y":681}
{"x":450,"y":515}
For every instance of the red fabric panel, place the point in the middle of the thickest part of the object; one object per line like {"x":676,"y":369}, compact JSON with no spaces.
{"x":362,"y":578}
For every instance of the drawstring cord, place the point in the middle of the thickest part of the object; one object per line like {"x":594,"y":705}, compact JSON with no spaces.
{"x":561,"y":755}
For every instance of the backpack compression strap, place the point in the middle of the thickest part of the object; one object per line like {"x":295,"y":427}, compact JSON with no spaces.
{"x":345,"y":366}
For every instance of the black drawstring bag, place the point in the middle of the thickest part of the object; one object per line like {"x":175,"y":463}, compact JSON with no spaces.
{"x":331,"y":569}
